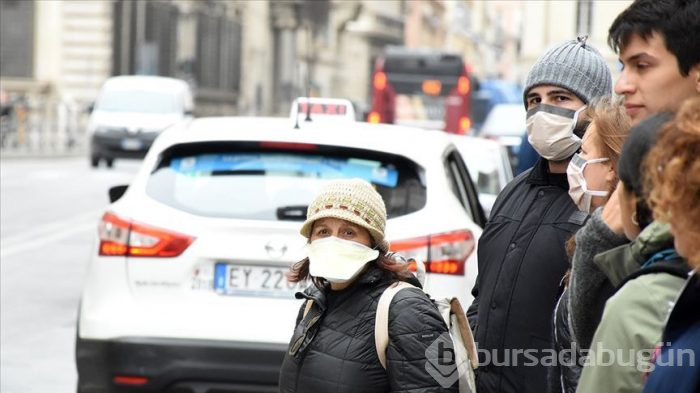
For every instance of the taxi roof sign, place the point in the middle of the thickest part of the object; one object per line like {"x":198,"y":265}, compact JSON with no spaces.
{"x":325,"y":109}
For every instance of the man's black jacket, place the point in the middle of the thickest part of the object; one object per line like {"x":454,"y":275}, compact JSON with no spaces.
{"x":521,"y":263}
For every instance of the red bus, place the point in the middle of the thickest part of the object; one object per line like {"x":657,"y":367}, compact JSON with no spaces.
{"x":423,"y":88}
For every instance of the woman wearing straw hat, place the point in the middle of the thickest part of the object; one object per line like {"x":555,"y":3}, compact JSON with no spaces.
{"x":333,"y":346}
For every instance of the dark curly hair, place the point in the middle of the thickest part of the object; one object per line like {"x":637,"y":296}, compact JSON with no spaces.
{"x":672,"y":173}
{"x":677,"y":22}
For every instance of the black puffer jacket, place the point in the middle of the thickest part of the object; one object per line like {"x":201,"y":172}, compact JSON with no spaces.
{"x":333,"y":348}
{"x":521,"y":263}
{"x":564,"y":375}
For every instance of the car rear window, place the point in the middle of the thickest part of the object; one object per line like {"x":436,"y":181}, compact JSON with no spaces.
{"x":248,"y":181}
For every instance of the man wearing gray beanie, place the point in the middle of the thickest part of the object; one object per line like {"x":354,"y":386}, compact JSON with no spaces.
{"x":521,"y":252}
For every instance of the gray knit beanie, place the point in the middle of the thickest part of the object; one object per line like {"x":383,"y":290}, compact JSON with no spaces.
{"x":575,"y":66}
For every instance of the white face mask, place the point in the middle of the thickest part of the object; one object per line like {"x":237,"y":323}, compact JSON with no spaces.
{"x":578,"y":189}
{"x":338,"y":260}
{"x":550,"y":131}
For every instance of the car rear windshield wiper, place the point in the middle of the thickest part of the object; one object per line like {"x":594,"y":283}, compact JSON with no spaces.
{"x":242,"y":172}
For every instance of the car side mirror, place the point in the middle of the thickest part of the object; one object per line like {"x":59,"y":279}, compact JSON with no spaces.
{"x":189,"y":112}
{"x":90,"y":108}
{"x":117,"y":192}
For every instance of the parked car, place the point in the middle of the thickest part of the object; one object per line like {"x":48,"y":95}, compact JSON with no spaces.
{"x":489,"y":167}
{"x":488,"y":93}
{"x":131,"y":111}
{"x":186,"y":287}
{"x":506,"y":125}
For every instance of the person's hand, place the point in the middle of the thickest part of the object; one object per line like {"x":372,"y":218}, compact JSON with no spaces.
{"x":612,"y":215}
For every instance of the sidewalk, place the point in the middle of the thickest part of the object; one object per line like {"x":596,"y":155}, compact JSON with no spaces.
{"x":18,"y":153}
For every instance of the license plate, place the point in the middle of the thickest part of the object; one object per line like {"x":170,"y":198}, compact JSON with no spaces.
{"x":247,"y":280}
{"x":132,"y":144}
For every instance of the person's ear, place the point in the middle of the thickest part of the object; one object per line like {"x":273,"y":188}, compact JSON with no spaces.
{"x":695,"y":72}
{"x":635,"y":212}
{"x":611,"y":175}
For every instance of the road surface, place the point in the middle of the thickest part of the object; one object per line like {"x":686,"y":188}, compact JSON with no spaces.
{"x":49,"y":210}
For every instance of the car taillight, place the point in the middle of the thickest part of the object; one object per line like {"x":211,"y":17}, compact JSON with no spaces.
{"x":463,"y":85}
{"x":464,"y":125}
{"x":374,"y":118}
{"x":130,"y":380}
{"x":119,"y":237}
{"x":443,"y":253}
{"x":288,"y":145}
{"x":379,"y":81}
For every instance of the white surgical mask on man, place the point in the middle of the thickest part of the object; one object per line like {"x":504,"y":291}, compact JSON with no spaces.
{"x":550,"y":131}
{"x":338,"y":260}
{"x":578,"y":188}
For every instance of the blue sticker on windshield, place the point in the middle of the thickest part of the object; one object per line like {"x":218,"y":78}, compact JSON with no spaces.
{"x":281,"y":164}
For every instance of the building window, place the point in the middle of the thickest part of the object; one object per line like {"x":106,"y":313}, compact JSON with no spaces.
{"x":145,"y":38}
{"x":16,"y":39}
{"x":218,"y":54}
{"x":584,"y":17}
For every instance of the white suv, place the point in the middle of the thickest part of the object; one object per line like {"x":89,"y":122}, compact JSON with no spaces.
{"x":186,"y":288}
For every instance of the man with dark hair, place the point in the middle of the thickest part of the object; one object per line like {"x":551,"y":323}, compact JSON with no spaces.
{"x":660,"y":53}
{"x":659,"y":49}
{"x":660,"y":56}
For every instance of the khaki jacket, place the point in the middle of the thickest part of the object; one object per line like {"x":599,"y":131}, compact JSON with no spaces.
{"x":634,"y":317}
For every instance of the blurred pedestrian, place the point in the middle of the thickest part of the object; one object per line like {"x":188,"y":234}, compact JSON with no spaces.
{"x":521,"y":251}
{"x":527,"y":156}
{"x":592,"y":174}
{"x":673,"y":169}
{"x":648,"y":275}
{"x":333,"y":345}
{"x":660,"y":56}
{"x":659,"y":49}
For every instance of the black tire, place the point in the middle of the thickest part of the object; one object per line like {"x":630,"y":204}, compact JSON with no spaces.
{"x":109,"y":162}
{"x":94,"y":161}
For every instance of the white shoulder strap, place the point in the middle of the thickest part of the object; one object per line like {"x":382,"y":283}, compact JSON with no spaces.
{"x":307,"y":307}
{"x":381,"y":321}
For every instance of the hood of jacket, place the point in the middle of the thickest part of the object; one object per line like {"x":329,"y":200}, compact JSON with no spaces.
{"x":620,"y":262}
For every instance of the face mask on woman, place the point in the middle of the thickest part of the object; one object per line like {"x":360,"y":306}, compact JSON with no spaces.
{"x":550,"y":131}
{"x":338,"y":260}
{"x":578,"y":189}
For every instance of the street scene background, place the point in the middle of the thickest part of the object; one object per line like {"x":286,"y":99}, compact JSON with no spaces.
{"x":241,"y":57}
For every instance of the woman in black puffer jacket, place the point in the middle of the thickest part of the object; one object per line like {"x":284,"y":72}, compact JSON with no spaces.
{"x":333,"y":347}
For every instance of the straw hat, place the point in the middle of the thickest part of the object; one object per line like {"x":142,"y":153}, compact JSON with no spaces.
{"x":353,"y":200}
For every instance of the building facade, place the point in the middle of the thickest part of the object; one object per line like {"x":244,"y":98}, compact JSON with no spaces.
{"x":254,"y":57}
{"x":56,"y":55}
{"x":557,"y":21}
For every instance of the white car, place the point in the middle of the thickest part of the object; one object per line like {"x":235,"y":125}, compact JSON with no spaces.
{"x":505,"y":124}
{"x":186,"y":287}
{"x":489,"y":167}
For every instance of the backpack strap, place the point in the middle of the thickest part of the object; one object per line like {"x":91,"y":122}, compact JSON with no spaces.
{"x":459,"y":318}
{"x":307,"y":307}
{"x":381,"y":321}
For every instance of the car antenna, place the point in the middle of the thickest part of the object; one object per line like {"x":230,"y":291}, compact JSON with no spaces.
{"x":296,"y":118}
{"x":308,"y":74}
